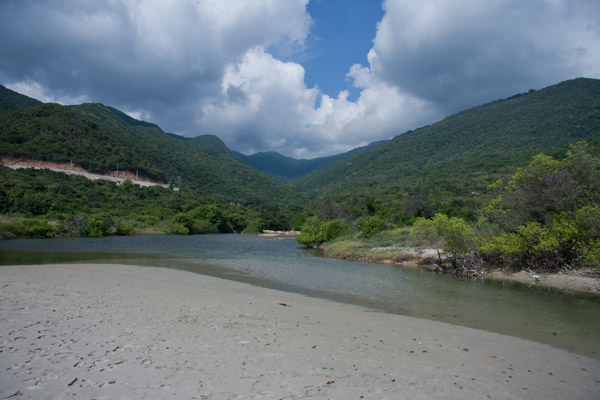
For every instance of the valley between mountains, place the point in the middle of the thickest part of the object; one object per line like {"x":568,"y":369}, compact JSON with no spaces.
{"x":497,"y":176}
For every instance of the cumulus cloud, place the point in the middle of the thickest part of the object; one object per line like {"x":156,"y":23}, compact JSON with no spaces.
{"x":262,"y":103}
{"x":147,"y":55}
{"x":461,"y":53}
{"x":203,"y":66}
{"x":265,"y":104}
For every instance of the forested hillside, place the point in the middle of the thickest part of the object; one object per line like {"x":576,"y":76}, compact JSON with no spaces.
{"x":101,"y":139}
{"x":446,"y":167}
{"x":442,"y":168}
{"x":41,"y":203}
{"x":212,"y":145}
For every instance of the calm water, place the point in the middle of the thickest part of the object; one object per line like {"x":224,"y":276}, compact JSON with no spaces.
{"x":564,"y":321}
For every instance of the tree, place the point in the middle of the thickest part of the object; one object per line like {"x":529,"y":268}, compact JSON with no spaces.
{"x":456,"y":237}
{"x":317,"y":231}
{"x":372,"y":227}
{"x":313,"y":232}
{"x":548,"y":215}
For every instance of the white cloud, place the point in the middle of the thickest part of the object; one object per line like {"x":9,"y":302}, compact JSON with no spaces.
{"x":429,"y":59}
{"x":199,"y":67}
{"x":36,"y":91}
{"x":265,"y":104}
{"x":147,"y":55}
{"x":465,"y":52}
{"x":140,"y":115}
{"x":262,"y":104}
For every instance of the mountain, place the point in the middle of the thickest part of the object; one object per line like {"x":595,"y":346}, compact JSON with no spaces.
{"x":278,"y":165}
{"x":131,"y":121}
{"x":455,"y":159}
{"x":101,"y":139}
{"x":212,"y":145}
{"x":446,"y":166}
{"x":10,"y":100}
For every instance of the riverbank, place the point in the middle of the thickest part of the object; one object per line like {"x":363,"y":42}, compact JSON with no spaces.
{"x":271,"y":233}
{"x":406,"y":257}
{"x":116,"y":331}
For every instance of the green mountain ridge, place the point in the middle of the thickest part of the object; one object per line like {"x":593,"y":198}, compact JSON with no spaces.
{"x":99,"y":138}
{"x":446,"y":166}
{"x":212,"y":145}
{"x":275,"y":164}
{"x":457,"y":158}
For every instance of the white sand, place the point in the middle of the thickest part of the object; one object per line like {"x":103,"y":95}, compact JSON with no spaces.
{"x":120,"y":332}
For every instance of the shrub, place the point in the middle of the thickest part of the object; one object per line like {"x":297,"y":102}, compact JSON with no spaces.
{"x":372,"y":227}
{"x":313,"y":232}
{"x":178,"y":229}
{"x":548,"y":215}
{"x":317,"y":231}
{"x":455,"y":236}
{"x":96,"y":228}
{"x":201,"y":226}
{"x":254,"y":227}
{"x":33,"y":228}
{"x":123,"y":228}
{"x":335,"y":228}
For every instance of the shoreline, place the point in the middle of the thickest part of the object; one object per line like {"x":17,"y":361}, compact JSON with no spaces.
{"x":122,"y":331}
{"x":568,"y":283}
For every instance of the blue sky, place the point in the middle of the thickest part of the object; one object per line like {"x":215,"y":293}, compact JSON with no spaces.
{"x":304,"y":78}
{"x":341,"y":35}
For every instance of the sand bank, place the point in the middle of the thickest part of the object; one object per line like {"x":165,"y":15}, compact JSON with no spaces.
{"x":116,"y":331}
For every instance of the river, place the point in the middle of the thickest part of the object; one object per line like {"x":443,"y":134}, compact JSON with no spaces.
{"x":564,"y":321}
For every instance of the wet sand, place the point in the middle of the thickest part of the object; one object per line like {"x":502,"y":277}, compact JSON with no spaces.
{"x":120,"y":331}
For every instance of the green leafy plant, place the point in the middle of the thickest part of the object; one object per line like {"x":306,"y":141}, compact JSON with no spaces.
{"x":372,"y":227}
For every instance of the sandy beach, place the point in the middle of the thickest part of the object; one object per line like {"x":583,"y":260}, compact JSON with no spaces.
{"x":126,"y":332}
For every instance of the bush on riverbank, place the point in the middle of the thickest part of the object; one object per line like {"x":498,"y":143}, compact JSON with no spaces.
{"x":317,"y":231}
{"x":27,"y":228}
{"x":546,"y":218}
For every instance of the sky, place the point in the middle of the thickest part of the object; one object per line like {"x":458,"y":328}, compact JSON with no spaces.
{"x":303,"y":78}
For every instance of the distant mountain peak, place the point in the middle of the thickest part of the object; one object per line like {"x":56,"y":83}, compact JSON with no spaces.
{"x":276,"y":164}
{"x":211,"y":144}
{"x":130,"y":120}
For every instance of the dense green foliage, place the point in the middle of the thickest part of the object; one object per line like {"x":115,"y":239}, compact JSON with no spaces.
{"x":372,"y":227}
{"x":448,"y":177}
{"x":100,"y":138}
{"x":546,"y":217}
{"x":456,"y":236}
{"x":317,"y":231}
{"x":446,"y":167}
{"x":212,"y":145}
{"x":41,"y":203}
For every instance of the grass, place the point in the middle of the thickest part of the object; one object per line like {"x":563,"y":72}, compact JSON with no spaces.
{"x":391,"y":247}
